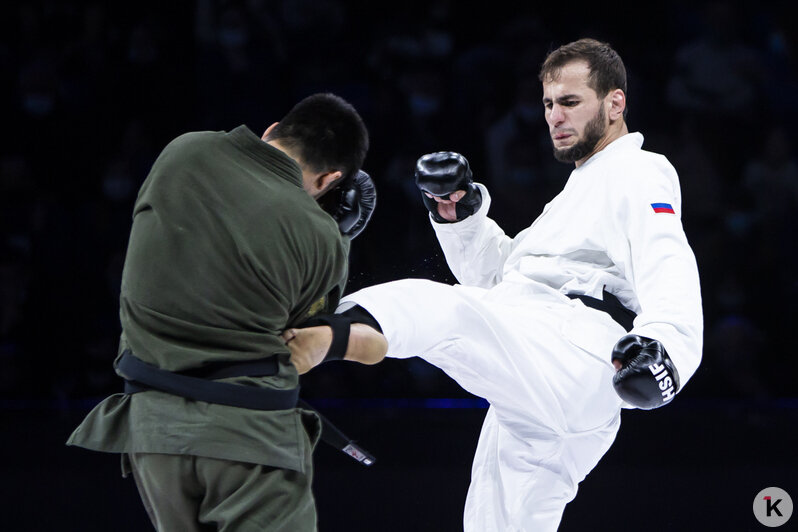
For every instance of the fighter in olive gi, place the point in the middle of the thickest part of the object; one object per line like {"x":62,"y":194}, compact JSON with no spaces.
{"x":226,"y":251}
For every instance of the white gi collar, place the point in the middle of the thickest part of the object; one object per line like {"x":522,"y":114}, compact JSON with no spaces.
{"x":624,"y":142}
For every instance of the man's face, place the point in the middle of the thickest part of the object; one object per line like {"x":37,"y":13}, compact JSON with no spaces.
{"x":575,"y":114}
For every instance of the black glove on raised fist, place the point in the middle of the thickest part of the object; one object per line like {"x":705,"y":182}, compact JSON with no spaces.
{"x":351,"y":203}
{"x":442,"y":173}
{"x":647,"y":378}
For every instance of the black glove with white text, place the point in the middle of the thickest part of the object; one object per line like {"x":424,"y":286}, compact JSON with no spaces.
{"x":647,"y":378}
{"x":351,"y":203}
{"x":442,"y":173}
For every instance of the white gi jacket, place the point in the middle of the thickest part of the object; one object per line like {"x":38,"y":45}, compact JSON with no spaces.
{"x":615,"y":225}
{"x":508,"y":332}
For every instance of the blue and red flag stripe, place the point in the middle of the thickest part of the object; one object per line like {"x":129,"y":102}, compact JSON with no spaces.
{"x":663,"y":207}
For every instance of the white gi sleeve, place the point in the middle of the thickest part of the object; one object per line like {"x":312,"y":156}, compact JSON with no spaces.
{"x":662,"y":266}
{"x":475,"y":248}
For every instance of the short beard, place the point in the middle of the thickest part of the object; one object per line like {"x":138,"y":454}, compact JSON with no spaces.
{"x":594,"y":131}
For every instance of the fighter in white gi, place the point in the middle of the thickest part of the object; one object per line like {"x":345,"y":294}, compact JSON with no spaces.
{"x":535,"y":327}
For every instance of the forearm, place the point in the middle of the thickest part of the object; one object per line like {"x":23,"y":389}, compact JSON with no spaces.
{"x":475,"y":248}
{"x":366,"y":345}
{"x":668,"y":289}
{"x":334,"y":338}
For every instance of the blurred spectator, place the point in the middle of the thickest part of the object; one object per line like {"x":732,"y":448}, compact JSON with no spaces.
{"x":718,"y":72}
{"x":518,"y":155}
{"x":718,"y":79}
{"x":770,"y":192}
{"x":18,"y":203}
{"x":429,"y":118}
{"x":731,"y":359}
{"x":13,"y":296}
{"x":777,"y":41}
{"x":770,"y":179}
{"x":241,"y":76}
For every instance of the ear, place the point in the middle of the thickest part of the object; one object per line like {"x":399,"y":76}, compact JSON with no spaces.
{"x":268,"y":130}
{"x":323,"y":182}
{"x":617,"y":101}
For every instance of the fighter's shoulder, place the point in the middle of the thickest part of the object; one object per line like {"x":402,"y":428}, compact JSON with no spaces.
{"x":194,"y":141}
{"x":641,"y":169}
{"x":658,"y":164}
{"x":296,"y":209}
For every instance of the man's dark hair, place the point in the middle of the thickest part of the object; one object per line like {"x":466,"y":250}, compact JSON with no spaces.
{"x":326,"y":132}
{"x":607,"y":71}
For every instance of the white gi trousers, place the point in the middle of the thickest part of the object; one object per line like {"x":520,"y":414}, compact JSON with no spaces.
{"x":540,"y":359}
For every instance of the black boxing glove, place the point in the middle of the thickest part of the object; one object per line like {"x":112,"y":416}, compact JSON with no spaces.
{"x":351,"y":203}
{"x":442,"y":173}
{"x":647,"y":378}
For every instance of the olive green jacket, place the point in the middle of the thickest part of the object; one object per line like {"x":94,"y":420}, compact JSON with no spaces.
{"x":226,"y":251}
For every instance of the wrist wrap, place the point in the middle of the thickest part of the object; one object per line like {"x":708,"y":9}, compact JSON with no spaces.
{"x":340,"y":333}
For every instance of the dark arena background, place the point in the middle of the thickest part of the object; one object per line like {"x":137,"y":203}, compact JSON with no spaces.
{"x":91,"y":91}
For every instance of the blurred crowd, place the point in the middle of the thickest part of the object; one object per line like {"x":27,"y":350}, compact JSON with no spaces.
{"x":90,"y":92}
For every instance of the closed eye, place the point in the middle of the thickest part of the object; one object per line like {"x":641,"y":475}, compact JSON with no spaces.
{"x":564,"y":102}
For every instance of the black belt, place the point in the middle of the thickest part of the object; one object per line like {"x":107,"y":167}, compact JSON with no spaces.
{"x":199,"y":385}
{"x":611,"y":305}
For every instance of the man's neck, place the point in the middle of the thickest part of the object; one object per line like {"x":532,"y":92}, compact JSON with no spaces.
{"x":614,"y":132}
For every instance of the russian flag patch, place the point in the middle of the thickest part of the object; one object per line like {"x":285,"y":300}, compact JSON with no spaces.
{"x":663,"y":207}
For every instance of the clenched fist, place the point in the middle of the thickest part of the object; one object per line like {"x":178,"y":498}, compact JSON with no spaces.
{"x":308,"y":346}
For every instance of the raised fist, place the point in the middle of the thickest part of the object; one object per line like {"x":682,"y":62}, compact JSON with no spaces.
{"x":444,"y":178}
{"x":646,"y":377}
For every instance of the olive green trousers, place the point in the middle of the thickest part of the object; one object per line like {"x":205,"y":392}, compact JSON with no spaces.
{"x":184,"y":493}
